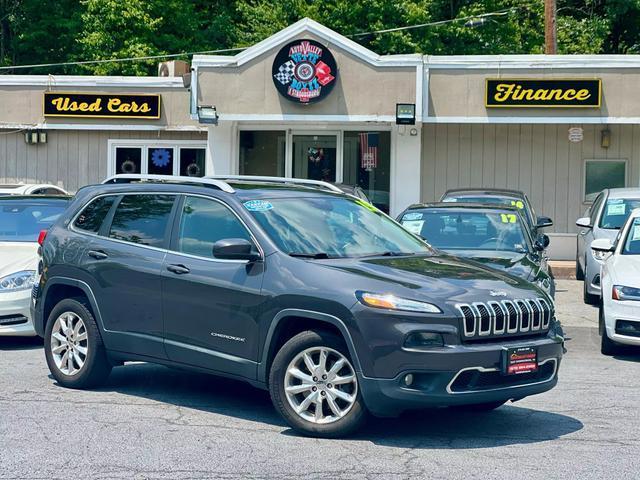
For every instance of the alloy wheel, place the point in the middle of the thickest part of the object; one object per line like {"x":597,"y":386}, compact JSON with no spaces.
{"x":69,"y":343}
{"x":321,"y":385}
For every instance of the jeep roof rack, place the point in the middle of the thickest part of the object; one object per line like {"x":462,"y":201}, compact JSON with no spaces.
{"x":285,"y":180}
{"x":136,"y":177}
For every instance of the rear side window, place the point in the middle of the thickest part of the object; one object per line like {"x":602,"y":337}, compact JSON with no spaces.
{"x":203,"y":223}
{"x":91,"y":218}
{"x":142,"y":219}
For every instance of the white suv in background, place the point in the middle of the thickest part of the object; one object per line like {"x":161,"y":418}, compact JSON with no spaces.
{"x":620,"y":306}
{"x":604,"y":219}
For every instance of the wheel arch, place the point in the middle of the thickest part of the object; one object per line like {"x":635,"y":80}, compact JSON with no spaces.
{"x":59,"y":288}
{"x":290,"y":322}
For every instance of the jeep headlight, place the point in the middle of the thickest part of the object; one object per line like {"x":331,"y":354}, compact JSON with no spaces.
{"x":23,"y":280}
{"x":391,"y":302}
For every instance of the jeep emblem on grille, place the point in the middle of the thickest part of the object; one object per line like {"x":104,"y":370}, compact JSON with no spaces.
{"x":497,"y":293}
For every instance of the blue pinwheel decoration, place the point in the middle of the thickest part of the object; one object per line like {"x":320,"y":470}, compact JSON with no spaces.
{"x":160,"y":157}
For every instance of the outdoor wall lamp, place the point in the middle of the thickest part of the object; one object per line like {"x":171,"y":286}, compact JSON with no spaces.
{"x":33,"y":137}
{"x":605,"y":138}
{"x":405,"y":113}
{"x":207,"y":114}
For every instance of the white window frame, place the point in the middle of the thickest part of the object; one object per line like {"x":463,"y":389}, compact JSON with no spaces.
{"x":584,"y":175}
{"x":145,"y":145}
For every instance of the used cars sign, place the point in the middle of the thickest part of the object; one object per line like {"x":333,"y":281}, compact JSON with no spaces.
{"x":92,"y":105}
{"x":566,"y":93}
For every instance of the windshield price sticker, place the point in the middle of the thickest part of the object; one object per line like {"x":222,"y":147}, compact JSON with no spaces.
{"x":635,"y":234}
{"x":258,"y":205}
{"x":517,"y":203}
{"x":412,"y":216}
{"x":414,"y":226}
{"x":508,"y":217}
{"x":616,"y":209}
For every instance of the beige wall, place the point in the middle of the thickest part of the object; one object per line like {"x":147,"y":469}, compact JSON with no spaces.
{"x":70,"y":158}
{"x":360,"y":89}
{"x":537,"y":159}
{"x":22,"y":105}
{"x":461,"y":93}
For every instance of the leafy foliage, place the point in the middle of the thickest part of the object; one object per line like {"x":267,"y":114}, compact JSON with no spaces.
{"x":52,"y":31}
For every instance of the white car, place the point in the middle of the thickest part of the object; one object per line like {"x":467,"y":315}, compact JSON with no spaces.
{"x":32,"y":189}
{"x":604,"y":219}
{"x":620,"y":274}
{"x":22,"y":218}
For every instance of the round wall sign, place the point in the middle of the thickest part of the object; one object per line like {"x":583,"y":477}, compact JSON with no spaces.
{"x":304,"y":71}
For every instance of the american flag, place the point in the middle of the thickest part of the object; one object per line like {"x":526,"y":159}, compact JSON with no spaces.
{"x":369,"y":150}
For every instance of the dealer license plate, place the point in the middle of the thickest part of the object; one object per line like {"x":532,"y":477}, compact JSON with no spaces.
{"x":520,"y":360}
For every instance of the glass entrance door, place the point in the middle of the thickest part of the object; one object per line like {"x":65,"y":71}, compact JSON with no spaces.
{"x":315,"y":157}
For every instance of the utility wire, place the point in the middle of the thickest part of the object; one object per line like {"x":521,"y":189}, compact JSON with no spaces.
{"x":502,"y":12}
{"x":497,"y":13}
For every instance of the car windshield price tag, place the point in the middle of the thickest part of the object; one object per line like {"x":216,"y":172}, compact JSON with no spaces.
{"x":520,"y":360}
{"x":616,"y":209}
{"x":414,"y":226}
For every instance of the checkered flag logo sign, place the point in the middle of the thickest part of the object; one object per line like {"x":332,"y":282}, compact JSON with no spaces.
{"x":285,"y":72}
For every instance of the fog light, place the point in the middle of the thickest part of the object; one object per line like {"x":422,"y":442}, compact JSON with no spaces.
{"x":424,"y":340}
{"x":408,"y":380}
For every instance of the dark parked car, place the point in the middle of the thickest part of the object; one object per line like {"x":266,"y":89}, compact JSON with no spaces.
{"x":494,"y":235}
{"x":225,"y":277}
{"x":501,"y":196}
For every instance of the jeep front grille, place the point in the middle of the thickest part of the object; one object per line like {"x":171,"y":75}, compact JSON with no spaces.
{"x":506,"y":317}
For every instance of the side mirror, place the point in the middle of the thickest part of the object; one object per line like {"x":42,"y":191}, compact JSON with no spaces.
{"x":235,"y":249}
{"x":541,"y":243}
{"x":584,"y":222}
{"x":602,"y":245}
{"x":544,"y":222}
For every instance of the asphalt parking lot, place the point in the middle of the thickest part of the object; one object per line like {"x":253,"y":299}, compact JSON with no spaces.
{"x":154,"y":422}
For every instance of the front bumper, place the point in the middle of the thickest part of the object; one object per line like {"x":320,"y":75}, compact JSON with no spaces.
{"x":476,"y":378}
{"x":15,"y":315}
{"x":626,"y":311}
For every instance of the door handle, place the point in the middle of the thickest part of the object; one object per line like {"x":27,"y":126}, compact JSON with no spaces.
{"x":97,"y":254}
{"x":178,"y":269}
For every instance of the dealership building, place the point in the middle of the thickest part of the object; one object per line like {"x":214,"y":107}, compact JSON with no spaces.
{"x":308,"y":102}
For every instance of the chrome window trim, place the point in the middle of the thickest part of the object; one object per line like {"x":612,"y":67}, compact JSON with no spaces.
{"x":166,"y":250}
{"x":492,"y":369}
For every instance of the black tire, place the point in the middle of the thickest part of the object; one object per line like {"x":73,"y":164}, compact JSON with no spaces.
{"x":587,"y":297}
{"x":96,"y":367}
{"x":607,"y":346}
{"x":480,"y":407}
{"x":579,"y":270}
{"x":344,"y":426}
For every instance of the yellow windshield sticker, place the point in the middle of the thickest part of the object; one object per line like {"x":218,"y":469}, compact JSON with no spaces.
{"x":508,"y":217}
{"x":366,"y":205}
{"x":517,"y":203}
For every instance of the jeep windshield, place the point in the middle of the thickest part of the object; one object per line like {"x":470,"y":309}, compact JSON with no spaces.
{"x":330,"y":227}
{"x":457,"y":229}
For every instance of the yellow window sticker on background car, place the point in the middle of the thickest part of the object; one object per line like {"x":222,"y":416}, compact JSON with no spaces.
{"x":508,"y":217}
{"x":517,"y":203}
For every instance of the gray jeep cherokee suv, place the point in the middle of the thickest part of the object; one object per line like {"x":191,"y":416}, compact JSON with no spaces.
{"x":292,"y":286}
